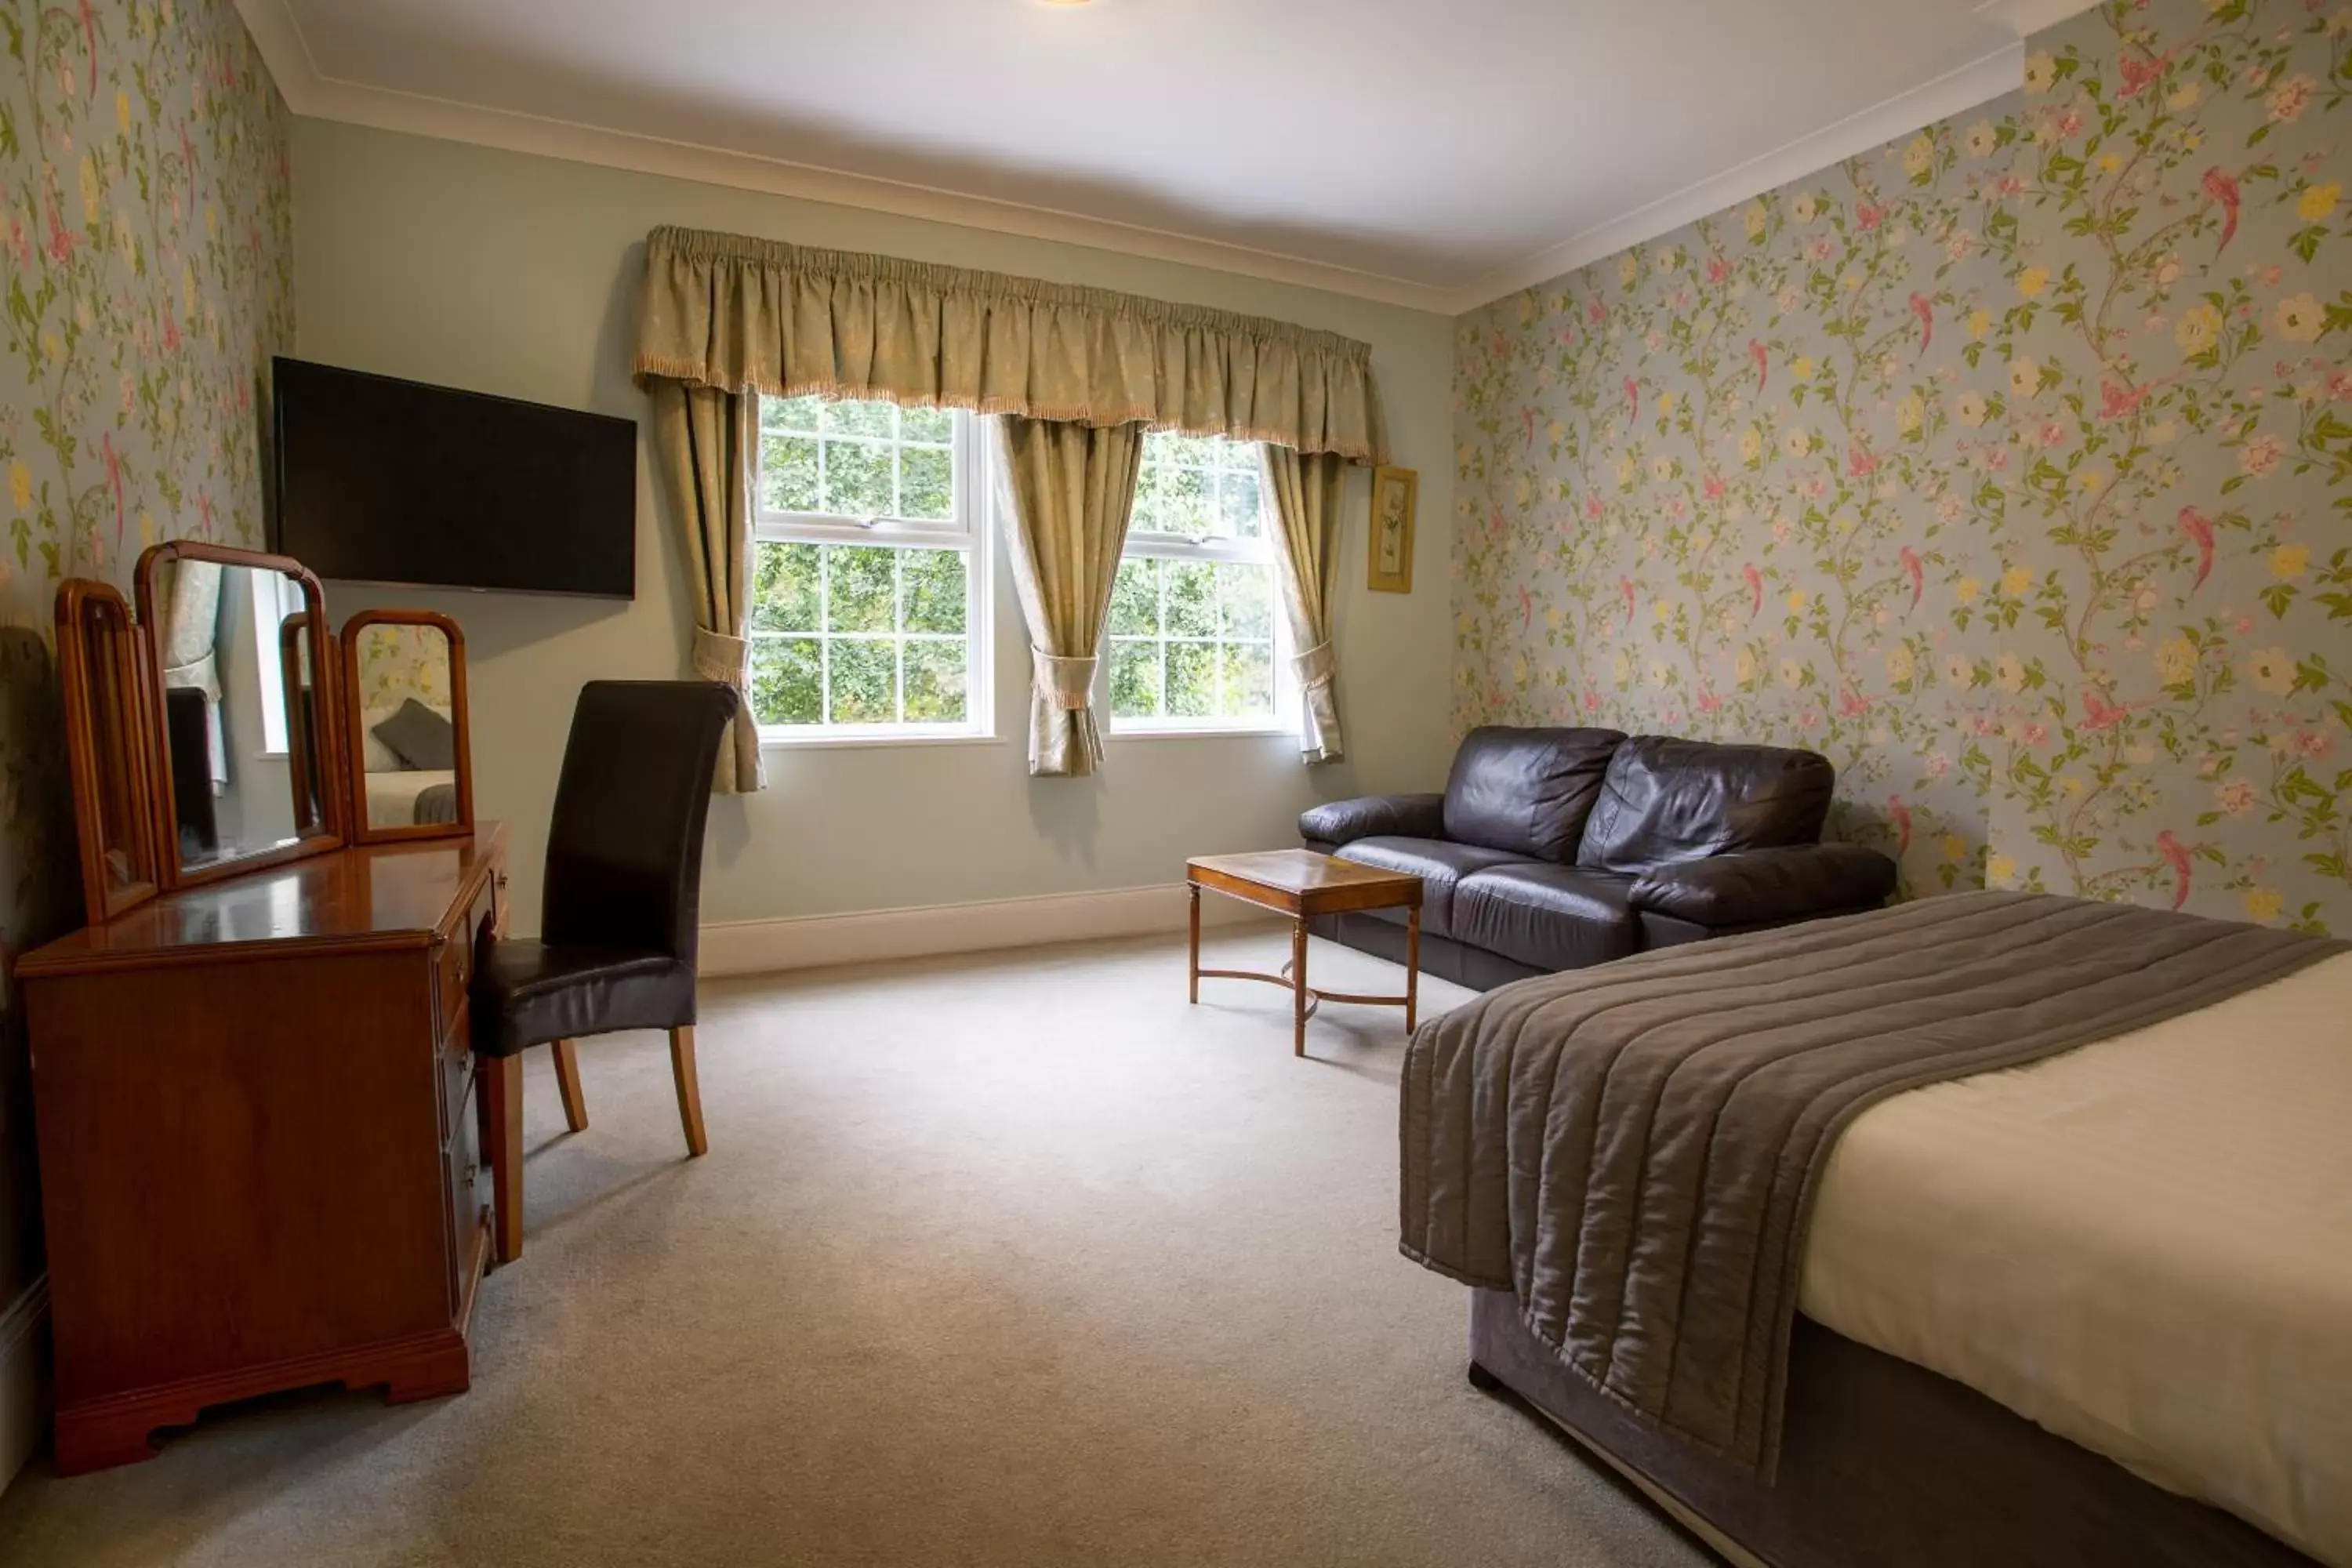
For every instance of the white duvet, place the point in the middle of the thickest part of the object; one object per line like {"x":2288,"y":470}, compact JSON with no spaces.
{"x":2145,"y":1244}
{"x":391,"y":796}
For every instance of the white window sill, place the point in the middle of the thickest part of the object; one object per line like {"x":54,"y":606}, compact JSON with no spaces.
{"x":784,"y":741}
{"x":1203,"y":733}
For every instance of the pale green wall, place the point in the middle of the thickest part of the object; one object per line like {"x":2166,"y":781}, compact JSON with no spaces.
{"x":514,"y":274}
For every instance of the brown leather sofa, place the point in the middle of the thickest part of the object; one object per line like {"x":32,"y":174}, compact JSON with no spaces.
{"x":1552,"y":849}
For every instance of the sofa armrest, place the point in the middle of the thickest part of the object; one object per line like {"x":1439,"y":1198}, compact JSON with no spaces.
{"x":1758,"y":886}
{"x":1374,"y":816}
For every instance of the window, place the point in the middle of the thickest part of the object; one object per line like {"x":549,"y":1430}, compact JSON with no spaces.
{"x":1195,"y":641}
{"x":870,"y":573}
{"x":274,"y":597}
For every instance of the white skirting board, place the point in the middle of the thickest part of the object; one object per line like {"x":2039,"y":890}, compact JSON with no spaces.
{"x":806,"y":941}
{"x":24,"y":1370}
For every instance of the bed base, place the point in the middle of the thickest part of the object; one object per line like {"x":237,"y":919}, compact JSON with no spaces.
{"x":1880,"y":1462}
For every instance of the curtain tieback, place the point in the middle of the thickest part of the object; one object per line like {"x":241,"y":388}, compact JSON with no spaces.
{"x":1318,"y":670}
{"x":1066,"y":680}
{"x":720,"y":658}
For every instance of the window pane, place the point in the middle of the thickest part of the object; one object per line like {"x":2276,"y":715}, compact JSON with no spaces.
{"x":926,"y":424}
{"x":1187,"y":503}
{"x":859,"y":418}
{"x":1239,"y":493}
{"x":784,"y":681}
{"x":926,"y":482}
{"x":1150,"y":499}
{"x":1192,"y":598}
{"x":1249,"y":680}
{"x":1245,"y":595}
{"x":1134,"y":679}
{"x":1200,"y":451}
{"x":788,"y":413}
{"x":865,"y":680}
{"x":862,"y":585}
{"x":784,"y":588}
{"x":858,"y":480}
{"x":1135,"y":599}
{"x":935,"y":681}
{"x":788,"y":473}
{"x":1191,"y":679}
{"x":931,"y":588}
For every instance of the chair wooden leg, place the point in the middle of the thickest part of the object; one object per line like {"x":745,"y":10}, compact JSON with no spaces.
{"x":689,"y":1089}
{"x":500,"y":1087}
{"x":567,"y":1082}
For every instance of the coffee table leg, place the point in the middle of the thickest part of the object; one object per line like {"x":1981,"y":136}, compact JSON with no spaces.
{"x":1195,"y":960}
{"x":1298,"y":987}
{"x":1412,"y":966}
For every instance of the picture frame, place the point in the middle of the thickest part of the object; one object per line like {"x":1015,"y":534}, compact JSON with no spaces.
{"x":1388,"y":544}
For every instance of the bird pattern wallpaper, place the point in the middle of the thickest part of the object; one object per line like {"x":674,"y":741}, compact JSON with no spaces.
{"x":146,"y":277}
{"x":2006,"y":465}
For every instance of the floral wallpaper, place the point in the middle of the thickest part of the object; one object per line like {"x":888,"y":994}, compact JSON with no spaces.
{"x":398,"y":661}
{"x":2006,"y":465}
{"x":146,"y":277}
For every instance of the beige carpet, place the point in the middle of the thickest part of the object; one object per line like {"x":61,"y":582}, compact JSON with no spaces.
{"x":1010,"y":1260}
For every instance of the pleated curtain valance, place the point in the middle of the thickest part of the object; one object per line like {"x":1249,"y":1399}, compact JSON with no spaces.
{"x":751,"y":315}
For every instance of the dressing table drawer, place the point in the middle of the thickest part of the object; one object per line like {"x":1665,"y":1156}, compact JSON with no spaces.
{"x":454,"y":1066}
{"x":453,"y":974}
{"x":455,"y":960}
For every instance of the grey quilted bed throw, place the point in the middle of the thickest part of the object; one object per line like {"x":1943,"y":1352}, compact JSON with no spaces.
{"x":1633,"y":1149}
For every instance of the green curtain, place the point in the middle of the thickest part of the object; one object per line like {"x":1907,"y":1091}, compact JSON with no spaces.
{"x":1307,"y":489}
{"x":1069,"y":490}
{"x":703,"y":438}
{"x":756,"y":315}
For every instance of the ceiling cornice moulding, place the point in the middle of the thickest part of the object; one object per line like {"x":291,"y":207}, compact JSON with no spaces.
{"x":1955,"y":93}
{"x":2027,"y":17}
{"x":311,"y":93}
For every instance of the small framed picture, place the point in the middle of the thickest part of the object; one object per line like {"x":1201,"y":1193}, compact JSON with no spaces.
{"x":1389,"y":554}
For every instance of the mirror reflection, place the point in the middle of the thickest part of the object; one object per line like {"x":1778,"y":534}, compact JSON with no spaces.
{"x":408,"y":729}
{"x":301,"y":700}
{"x":240,"y":731}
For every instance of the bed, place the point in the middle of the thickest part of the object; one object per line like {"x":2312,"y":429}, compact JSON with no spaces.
{"x":2068,"y":1271}
{"x":402,"y":797}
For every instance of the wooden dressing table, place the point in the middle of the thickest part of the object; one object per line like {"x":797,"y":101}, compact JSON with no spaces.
{"x":260,"y":1162}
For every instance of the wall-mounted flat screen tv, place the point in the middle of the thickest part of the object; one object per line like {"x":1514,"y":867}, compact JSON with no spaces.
{"x":383,"y":480}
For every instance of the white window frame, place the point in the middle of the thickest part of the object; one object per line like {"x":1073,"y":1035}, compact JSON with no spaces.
{"x":968,"y":533}
{"x":1144,"y":544}
{"x":275,"y":597}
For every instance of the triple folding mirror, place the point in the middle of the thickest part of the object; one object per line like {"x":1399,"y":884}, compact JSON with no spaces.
{"x":222,"y":728}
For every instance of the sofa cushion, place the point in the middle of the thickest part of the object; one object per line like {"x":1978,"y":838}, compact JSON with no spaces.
{"x":1372,"y":816}
{"x":1552,"y":916}
{"x":1665,"y":800}
{"x":1527,"y":792}
{"x":1438,"y":863}
{"x":1762,"y":886}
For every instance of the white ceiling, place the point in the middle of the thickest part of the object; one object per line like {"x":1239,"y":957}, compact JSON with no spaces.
{"x":1435,"y":152}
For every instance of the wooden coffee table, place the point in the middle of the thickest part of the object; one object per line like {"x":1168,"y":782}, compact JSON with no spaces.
{"x":1302,"y":884}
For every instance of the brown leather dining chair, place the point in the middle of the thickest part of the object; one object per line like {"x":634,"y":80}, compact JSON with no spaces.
{"x":623,"y":893}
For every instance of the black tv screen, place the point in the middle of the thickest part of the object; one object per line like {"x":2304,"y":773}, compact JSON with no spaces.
{"x":383,"y":480}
